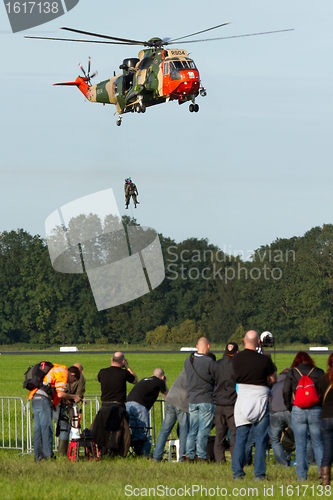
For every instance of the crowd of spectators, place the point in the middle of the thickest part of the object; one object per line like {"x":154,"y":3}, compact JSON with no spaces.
{"x":240,"y":394}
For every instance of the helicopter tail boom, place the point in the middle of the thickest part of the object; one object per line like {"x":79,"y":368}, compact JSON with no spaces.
{"x":80,"y":83}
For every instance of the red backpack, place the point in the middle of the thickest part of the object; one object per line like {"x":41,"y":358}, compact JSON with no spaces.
{"x":306,"y":392}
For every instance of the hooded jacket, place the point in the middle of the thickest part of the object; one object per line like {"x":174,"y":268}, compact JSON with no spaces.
{"x":225,"y":389}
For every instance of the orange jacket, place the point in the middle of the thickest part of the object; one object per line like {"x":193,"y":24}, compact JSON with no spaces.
{"x":57,"y":379}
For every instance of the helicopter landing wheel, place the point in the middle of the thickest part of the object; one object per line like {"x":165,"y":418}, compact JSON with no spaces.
{"x":191,"y":108}
{"x":195,"y":108}
{"x":143,"y":108}
{"x":119,"y":122}
{"x":137,"y":108}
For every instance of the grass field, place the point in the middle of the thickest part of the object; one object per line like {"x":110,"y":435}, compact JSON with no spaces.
{"x":12,"y":367}
{"x":21,"y":478}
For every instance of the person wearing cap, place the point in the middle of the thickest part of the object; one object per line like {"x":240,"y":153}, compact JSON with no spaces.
{"x":130,"y":190}
{"x":224,"y":398}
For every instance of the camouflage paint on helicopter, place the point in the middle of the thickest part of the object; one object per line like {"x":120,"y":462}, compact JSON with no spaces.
{"x":157,"y":75}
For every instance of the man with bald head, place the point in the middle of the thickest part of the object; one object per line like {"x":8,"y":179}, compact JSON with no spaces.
{"x":110,"y":426}
{"x":113,"y":380}
{"x":139,"y":401}
{"x":200,"y":374}
{"x":254,"y":373}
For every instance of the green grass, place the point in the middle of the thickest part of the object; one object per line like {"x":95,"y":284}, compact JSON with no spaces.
{"x":13,"y":367}
{"x":21,"y":478}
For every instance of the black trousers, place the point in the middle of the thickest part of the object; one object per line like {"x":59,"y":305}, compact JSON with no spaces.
{"x":224,"y":420}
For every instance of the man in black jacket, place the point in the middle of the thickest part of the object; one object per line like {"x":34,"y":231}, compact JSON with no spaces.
{"x":224,"y":399}
{"x":139,"y":401}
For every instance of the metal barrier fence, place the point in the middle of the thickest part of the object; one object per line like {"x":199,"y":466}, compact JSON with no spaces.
{"x":17,"y":422}
{"x":12,"y":423}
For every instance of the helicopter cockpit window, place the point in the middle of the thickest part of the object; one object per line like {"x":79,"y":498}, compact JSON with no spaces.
{"x":188,"y":64}
{"x":178,"y":65}
{"x":174,"y":73}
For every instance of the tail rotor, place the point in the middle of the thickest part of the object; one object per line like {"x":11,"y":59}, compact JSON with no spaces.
{"x":87,"y":75}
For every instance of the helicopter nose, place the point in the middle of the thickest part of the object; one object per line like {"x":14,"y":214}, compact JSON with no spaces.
{"x":190,"y":83}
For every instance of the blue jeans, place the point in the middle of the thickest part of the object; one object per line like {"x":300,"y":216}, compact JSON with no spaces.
{"x":250,"y":442}
{"x":260,"y":434}
{"x":326,"y":428}
{"x":43,"y":428}
{"x":278,"y":422}
{"x":172,"y":414}
{"x":139,"y":423}
{"x":201,"y":421}
{"x":304,"y":420}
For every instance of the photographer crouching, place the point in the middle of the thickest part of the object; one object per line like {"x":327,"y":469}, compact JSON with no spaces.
{"x":63,"y":412}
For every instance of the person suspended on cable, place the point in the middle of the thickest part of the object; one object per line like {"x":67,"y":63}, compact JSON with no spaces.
{"x":130,"y":190}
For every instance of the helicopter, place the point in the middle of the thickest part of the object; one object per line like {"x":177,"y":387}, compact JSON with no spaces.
{"x":159,"y":74}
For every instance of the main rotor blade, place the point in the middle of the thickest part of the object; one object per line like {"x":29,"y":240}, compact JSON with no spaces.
{"x":136,"y":42}
{"x":198,"y":32}
{"x":76,"y":40}
{"x":234,"y":36}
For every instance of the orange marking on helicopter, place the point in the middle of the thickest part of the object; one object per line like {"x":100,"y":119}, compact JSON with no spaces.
{"x":188,"y":83}
{"x":80,"y":83}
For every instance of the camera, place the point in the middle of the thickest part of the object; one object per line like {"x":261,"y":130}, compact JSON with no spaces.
{"x":266,"y":339}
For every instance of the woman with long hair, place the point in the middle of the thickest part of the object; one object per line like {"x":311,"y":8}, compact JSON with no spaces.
{"x":305,"y":420}
{"x":326,"y":421}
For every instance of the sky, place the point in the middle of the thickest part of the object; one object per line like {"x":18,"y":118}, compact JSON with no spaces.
{"x":253,"y":165}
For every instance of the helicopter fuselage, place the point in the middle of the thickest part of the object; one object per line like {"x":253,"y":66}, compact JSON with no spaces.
{"x":157,"y":76}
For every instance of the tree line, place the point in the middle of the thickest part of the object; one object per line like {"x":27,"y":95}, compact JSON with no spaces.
{"x":285,"y":287}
